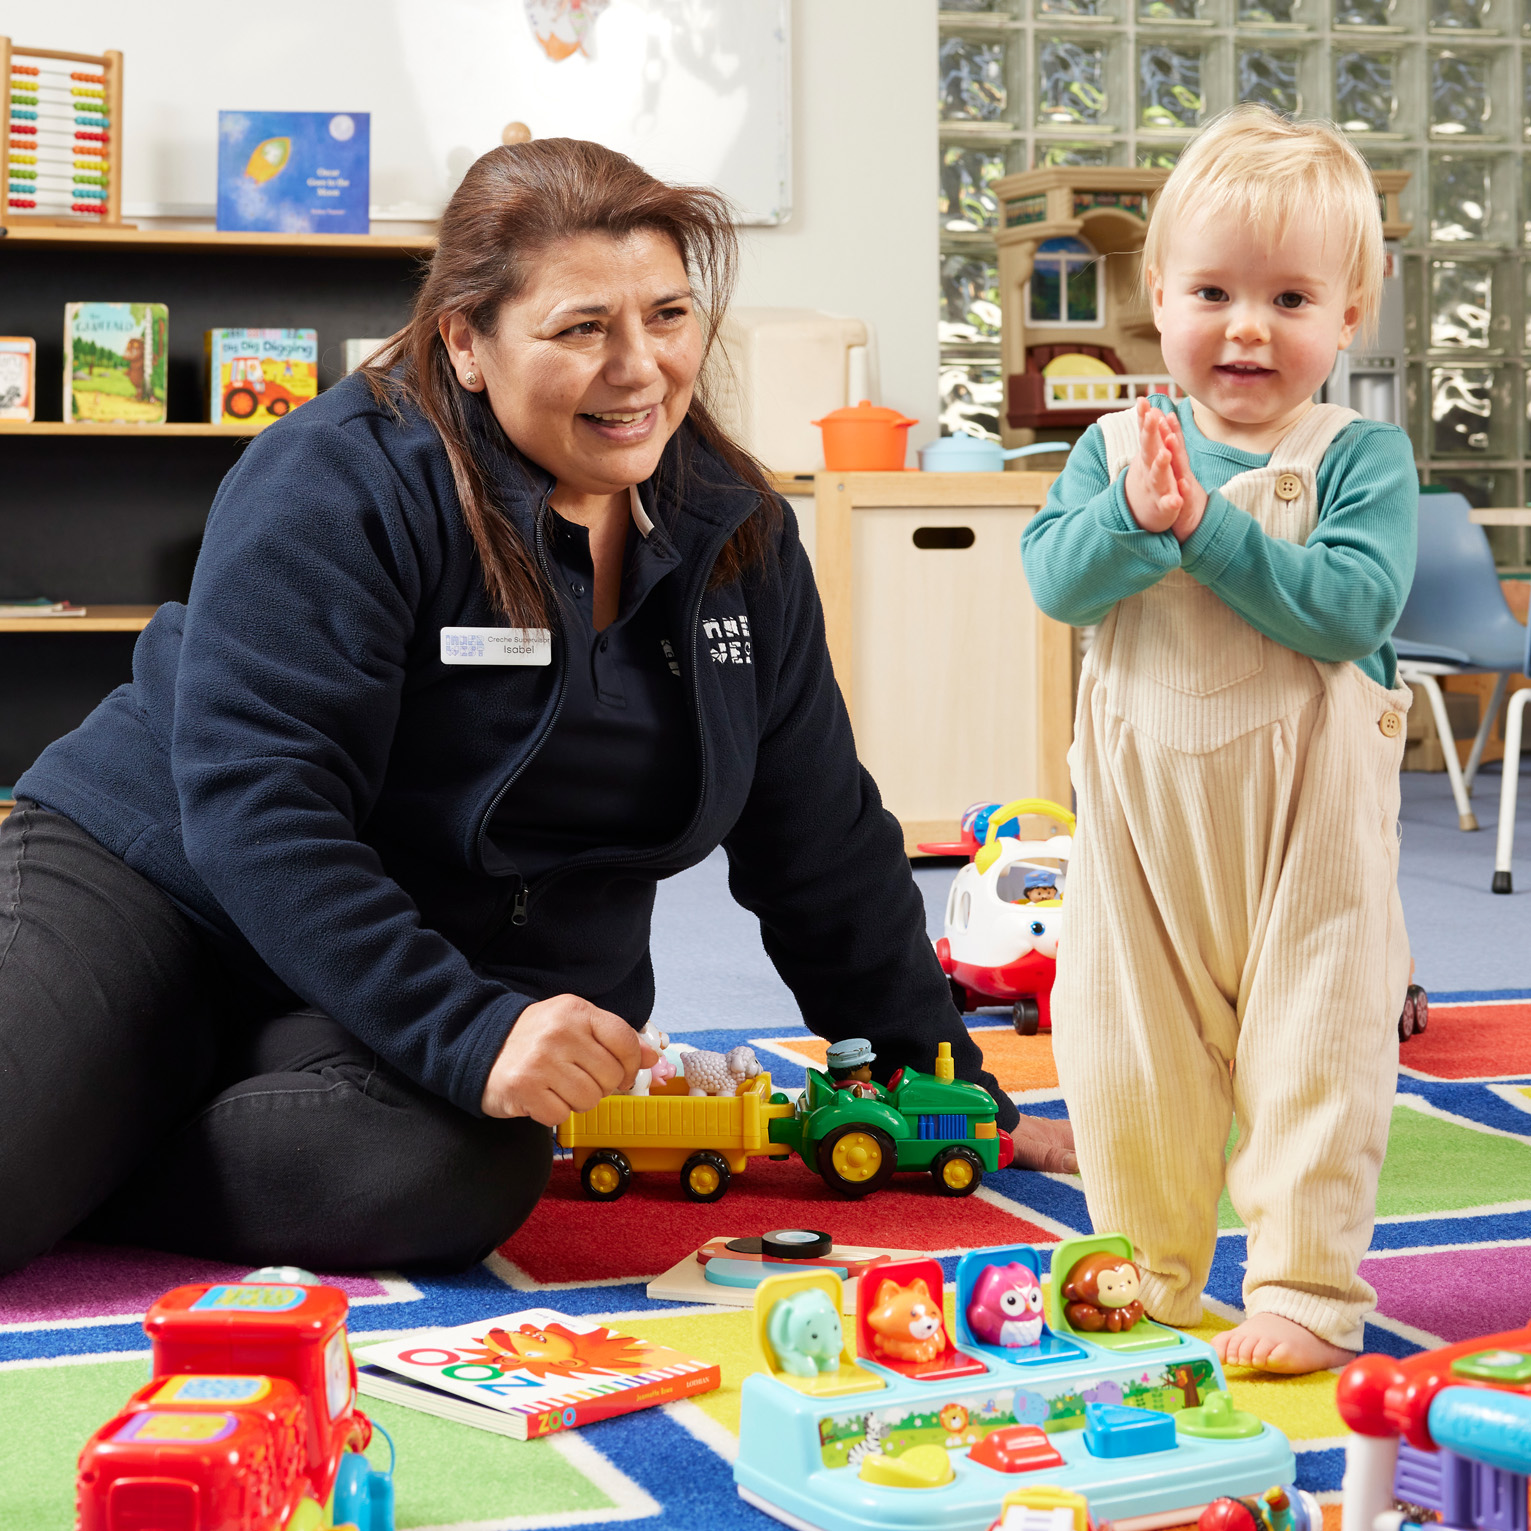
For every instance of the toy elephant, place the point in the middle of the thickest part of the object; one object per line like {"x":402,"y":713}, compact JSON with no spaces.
{"x":804,"y":1331}
{"x":715,"y":1074}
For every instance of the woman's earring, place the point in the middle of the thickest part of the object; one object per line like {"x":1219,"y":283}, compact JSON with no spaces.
{"x":471,"y":379}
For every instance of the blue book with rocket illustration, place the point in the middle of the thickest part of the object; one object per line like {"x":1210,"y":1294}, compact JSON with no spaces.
{"x":294,"y":172}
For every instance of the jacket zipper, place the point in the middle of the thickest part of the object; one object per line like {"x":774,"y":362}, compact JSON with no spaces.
{"x":523,"y":897}
{"x":519,"y":899}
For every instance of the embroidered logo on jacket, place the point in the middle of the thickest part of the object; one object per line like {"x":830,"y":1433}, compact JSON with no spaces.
{"x":728,"y":639}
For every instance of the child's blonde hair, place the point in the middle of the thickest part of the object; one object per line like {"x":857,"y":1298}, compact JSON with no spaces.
{"x":1261,"y":168}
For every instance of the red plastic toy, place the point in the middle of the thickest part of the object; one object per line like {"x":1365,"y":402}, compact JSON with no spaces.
{"x":1442,"y":1437}
{"x":249,"y":1423}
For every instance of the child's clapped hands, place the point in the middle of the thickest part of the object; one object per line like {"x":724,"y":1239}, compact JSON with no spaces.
{"x":1162,"y":492}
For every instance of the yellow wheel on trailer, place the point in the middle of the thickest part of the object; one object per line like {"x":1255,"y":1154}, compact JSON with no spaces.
{"x":605,"y":1175}
{"x":604,"y":1179}
{"x":705,"y":1176}
{"x":856,"y":1161}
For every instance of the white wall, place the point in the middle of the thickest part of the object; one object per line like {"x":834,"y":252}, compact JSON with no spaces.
{"x":862,"y":239}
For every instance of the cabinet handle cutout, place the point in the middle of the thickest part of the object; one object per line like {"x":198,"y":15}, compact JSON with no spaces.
{"x":944,"y":537}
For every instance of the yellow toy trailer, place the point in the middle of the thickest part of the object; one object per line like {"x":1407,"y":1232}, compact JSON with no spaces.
{"x":707,"y":1138}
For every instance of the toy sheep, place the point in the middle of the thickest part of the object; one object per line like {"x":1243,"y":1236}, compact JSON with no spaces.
{"x":713,"y":1074}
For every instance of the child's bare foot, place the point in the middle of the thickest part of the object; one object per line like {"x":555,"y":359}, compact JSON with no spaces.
{"x":1270,"y":1343}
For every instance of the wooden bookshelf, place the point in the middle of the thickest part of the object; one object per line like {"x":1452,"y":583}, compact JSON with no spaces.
{"x":111,"y":516}
{"x":97,"y":619}
{"x":173,"y":428}
{"x":26,"y":236}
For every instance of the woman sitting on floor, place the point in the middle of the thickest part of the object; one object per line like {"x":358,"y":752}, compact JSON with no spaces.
{"x":315,"y":928}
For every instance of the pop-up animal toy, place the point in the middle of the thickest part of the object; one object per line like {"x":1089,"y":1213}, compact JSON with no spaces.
{"x":1006,"y":1306}
{"x":1101,"y":1294}
{"x":805,"y":1332}
{"x":906,"y":1322}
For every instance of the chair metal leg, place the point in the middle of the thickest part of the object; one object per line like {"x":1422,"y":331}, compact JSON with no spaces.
{"x":1485,"y":723}
{"x":1465,"y":816}
{"x":1507,"y":790}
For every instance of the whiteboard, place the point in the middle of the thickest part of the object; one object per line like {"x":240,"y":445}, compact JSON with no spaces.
{"x":694,"y":90}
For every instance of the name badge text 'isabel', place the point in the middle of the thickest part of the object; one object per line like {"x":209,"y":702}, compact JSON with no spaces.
{"x":496,"y":645}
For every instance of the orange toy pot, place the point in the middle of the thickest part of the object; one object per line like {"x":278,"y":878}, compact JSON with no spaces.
{"x":867,"y":438}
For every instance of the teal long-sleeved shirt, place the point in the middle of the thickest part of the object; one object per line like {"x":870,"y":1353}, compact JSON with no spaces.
{"x":1335,"y":597}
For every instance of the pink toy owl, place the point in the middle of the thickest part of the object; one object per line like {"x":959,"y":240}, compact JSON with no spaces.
{"x":1006,"y":1306}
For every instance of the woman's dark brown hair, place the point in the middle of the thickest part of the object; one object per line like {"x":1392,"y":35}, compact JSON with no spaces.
{"x":512,"y":205}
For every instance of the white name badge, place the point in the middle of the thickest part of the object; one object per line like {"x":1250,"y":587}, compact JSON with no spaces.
{"x":496,"y":645}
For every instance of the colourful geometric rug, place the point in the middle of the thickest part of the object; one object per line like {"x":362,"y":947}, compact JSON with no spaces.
{"x":1449,"y":1260}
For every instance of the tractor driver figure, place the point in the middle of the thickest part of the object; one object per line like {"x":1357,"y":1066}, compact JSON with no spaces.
{"x":1041,"y":887}
{"x":850,"y":1066}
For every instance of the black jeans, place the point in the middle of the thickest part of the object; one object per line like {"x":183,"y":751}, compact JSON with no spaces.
{"x":148,"y":1096}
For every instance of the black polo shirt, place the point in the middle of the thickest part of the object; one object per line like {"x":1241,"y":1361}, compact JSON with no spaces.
{"x":619,"y":767}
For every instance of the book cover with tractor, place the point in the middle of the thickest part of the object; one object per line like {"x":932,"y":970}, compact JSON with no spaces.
{"x":259,"y":375}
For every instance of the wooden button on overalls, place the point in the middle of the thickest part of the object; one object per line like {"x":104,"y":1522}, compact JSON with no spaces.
{"x":1288,"y":486}
{"x":1390,"y":724}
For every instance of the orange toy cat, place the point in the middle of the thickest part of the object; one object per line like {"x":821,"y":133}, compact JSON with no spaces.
{"x":906,"y":1322}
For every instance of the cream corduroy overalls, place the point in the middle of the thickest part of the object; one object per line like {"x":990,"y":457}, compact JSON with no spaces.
{"x":1233,"y":898}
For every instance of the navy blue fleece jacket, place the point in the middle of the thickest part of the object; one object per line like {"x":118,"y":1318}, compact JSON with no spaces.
{"x":293,"y":764}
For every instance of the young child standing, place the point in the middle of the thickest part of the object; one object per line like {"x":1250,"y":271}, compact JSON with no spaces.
{"x":1236,"y":945}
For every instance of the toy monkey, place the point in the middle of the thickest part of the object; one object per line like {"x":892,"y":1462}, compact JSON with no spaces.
{"x":1101,"y":1293}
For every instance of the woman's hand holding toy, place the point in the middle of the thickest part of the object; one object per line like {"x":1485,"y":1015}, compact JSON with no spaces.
{"x":563,"y":1055}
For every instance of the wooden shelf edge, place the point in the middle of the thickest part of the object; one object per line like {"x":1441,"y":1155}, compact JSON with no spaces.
{"x":97,"y":619}
{"x":21,"y":236}
{"x":174,"y":428}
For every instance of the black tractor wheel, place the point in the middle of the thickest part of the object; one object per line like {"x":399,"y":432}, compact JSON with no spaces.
{"x":605,"y":1175}
{"x":705,"y":1175}
{"x":241,"y":403}
{"x":1026,"y":1017}
{"x":855,"y":1161}
{"x":956,"y":1171}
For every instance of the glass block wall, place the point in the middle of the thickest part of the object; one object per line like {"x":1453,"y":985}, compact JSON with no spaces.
{"x":1440,"y":88}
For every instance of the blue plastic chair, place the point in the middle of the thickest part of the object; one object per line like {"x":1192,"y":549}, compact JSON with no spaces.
{"x":1456,"y":622}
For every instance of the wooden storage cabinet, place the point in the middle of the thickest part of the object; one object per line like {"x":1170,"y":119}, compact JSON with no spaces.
{"x":960,"y":690}
{"x":113,"y":515}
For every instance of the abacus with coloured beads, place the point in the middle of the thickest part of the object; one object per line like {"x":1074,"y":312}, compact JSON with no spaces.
{"x":61,"y":123}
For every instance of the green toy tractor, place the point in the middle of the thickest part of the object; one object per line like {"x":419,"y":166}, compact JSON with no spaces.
{"x":859,"y":1137}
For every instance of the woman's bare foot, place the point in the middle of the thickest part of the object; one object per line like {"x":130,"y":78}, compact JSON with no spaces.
{"x":1044,"y":1144}
{"x":1269,"y":1343}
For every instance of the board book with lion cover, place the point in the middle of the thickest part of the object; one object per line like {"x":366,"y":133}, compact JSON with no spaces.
{"x":529,"y":1374}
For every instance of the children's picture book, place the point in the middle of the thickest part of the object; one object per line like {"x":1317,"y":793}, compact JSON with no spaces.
{"x":40,"y":606}
{"x":18,"y":377}
{"x":260,"y":375}
{"x":294,"y":172}
{"x":114,"y":363}
{"x":530,"y":1373}
{"x":355,"y":351}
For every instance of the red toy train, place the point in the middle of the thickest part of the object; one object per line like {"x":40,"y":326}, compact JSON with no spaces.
{"x":249,"y":1424}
